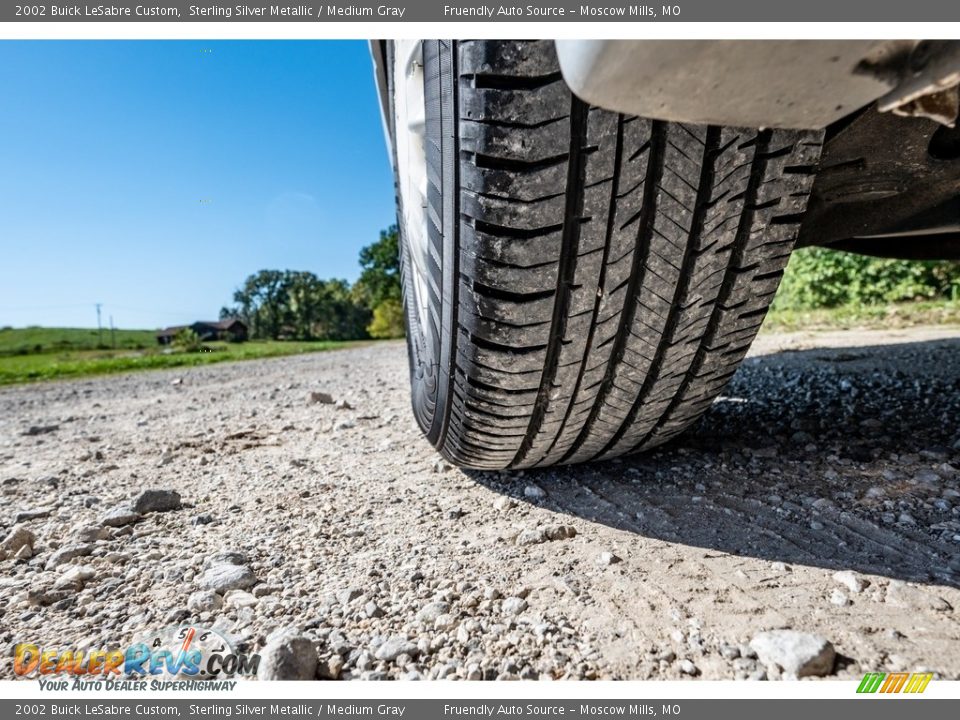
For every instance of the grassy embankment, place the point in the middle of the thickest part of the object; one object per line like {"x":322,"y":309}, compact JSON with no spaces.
{"x":886,"y":316}
{"x":33,"y":354}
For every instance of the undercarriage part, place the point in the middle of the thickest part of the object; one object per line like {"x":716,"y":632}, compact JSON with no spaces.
{"x":929,"y":83}
{"x":887,"y":186}
{"x":805,"y":83}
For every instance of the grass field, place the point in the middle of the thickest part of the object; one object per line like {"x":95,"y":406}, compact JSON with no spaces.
{"x":893,"y":315}
{"x":34,"y":354}
{"x":27,"y":341}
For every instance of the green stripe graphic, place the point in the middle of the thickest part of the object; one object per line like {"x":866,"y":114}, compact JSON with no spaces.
{"x":871,"y":682}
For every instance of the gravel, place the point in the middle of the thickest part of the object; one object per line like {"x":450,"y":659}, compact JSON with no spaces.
{"x":819,"y":496}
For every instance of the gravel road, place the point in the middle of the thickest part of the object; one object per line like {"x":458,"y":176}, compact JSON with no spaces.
{"x":820,"y":495}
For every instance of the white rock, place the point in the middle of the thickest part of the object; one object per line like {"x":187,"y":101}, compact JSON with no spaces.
{"x":204,"y":601}
{"x":799,"y":654}
{"x":68,"y":553}
{"x":395,"y":647}
{"x":607,"y":558}
{"x":76,"y":577}
{"x":222,"y":578}
{"x":838,"y":597}
{"x":534,"y":492}
{"x":514,"y":605}
{"x":18,"y":536}
{"x":240,"y":599}
{"x":851,"y":581}
{"x":431,"y":611}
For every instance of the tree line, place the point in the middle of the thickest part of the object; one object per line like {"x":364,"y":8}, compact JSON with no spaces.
{"x":298,"y":305}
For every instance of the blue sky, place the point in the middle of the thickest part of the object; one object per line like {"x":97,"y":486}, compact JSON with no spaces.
{"x":153,"y":177}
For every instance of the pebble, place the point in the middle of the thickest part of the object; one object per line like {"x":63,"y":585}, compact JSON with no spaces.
{"x":120,"y":516}
{"x":514,"y":605}
{"x":798,"y":654}
{"x":75,"y":578}
{"x":204,"y":601}
{"x":68,"y":553}
{"x":156,"y":501}
{"x":394,"y":647}
{"x":851,"y":581}
{"x":608,"y":558}
{"x":838,"y":597}
{"x":534,"y":492}
{"x":288,"y":656}
{"x":225,"y":577}
{"x":321,"y":398}
{"x":18,"y":537}
{"x":430,"y":612}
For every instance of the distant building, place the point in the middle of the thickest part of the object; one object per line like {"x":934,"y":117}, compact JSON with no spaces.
{"x":231,"y":329}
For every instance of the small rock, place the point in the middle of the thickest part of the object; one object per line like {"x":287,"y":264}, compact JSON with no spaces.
{"x":559,"y":532}
{"x":343,"y":425}
{"x":204,"y":601}
{"x":68,"y":553}
{"x":18,"y":537}
{"x":504,"y":503}
{"x":514,"y":605}
{"x":91,"y":533}
{"x":156,"y":501}
{"x":24,"y":553}
{"x":534,"y":492}
{"x":349,"y":595}
{"x":225,"y":557}
{"x":321,"y":398}
{"x":240,"y":599}
{"x":395,"y":647}
{"x":27,"y":515}
{"x":838,"y":597}
{"x":120,"y":516}
{"x":330,"y":668}
{"x":343,"y":405}
{"x":34,"y":430}
{"x":729,"y":652}
{"x":223,"y":578}
{"x":74,"y":578}
{"x":288,"y":656}
{"x":373,"y":610}
{"x":851,"y":581}
{"x":688,"y":668}
{"x":799,"y":654}
{"x":608,"y":558}
{"x":430,"y":612}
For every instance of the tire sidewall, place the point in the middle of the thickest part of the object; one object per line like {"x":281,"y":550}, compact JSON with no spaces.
{"x":430,"y":350}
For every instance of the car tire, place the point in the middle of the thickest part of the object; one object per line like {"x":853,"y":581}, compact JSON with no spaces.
{"x":579,"y":284}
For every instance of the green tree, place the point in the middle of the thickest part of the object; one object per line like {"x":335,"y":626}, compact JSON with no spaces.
{"x":387,"y":320}
{"x":380,"y":279}
{"x":262,"y":302}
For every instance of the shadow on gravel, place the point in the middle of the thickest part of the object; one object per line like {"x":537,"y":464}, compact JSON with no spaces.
{"x":835,"y":458}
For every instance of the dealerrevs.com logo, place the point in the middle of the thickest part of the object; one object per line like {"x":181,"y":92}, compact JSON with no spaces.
{"x":172,"y":659}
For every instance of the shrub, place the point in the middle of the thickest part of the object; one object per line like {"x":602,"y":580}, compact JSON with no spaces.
{"x":822,"y":278}
{"x":187,"y":340}
{"x":387,"y":320}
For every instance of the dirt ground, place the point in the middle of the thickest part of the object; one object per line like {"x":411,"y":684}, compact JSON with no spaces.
{"x":821,"y":493}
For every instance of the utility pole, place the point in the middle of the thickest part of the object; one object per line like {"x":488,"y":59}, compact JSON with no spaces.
{"x":113,"y":334}
{"x":99,"y":327}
